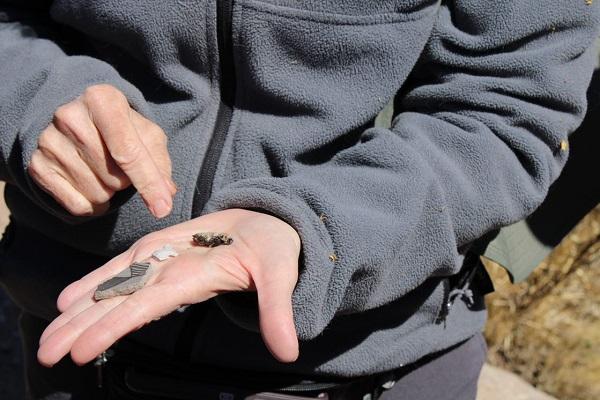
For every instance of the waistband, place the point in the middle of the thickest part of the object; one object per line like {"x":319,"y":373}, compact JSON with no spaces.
{"x":130,"y":369}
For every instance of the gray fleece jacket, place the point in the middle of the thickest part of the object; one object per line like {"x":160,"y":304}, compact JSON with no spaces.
{"x":269,"y":105}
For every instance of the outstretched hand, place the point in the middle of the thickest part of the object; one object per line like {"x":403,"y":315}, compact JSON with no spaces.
{"x":263,"y":257}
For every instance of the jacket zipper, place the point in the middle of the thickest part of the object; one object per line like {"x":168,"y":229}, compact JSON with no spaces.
{"x":224,"y":114}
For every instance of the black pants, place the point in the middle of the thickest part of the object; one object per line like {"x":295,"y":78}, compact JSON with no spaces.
{"x":450,"y":375}
{"x":453,"y":375}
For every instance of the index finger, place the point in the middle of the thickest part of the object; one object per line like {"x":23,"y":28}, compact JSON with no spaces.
{"x":112,"y":118}
{"x":82,"y":287}
{"x":138,"y":309}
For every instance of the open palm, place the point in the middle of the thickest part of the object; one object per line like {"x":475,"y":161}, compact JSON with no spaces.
{"x":263,"y":257}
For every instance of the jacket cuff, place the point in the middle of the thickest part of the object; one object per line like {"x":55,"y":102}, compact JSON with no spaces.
{"x":316,"y":263}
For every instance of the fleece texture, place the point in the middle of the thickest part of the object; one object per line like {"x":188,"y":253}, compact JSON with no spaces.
{"x":486,"y":93}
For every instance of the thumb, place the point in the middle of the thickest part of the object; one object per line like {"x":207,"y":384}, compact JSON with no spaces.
{"x":276,"y":315}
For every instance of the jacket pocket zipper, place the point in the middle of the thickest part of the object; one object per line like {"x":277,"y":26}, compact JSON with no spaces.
{"x":224,"y":114}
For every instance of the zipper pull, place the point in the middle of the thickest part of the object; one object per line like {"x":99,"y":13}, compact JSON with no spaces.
{"x":99,"y":364}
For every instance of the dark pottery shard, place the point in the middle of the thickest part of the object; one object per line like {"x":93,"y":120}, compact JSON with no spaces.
{"x":128,"y":281}
{"x":211,"y":239}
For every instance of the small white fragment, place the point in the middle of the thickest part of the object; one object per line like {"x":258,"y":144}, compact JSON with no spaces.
{"x":389,"y":384}
{"x":164,"y":252}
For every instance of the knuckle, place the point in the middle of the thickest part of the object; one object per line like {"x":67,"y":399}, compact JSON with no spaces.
{"x":127,"y":153}
{"x":101,"y":93}
{"x":155,"y":133}
{"x":68,"y":121}
{"x":116,"y":183}
{"x":80,"y":136}
{"x":66,"y":113}
{"x":79,"y":208}
{"x":160,"y":135}
{"x":36,"y":169}
{"x":49,"y":144}
{"x":101,"y":197}
{"x":94,"y":155}
{"x":44,"y":141}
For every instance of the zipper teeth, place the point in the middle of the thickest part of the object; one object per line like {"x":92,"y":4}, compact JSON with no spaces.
{"x":227,"y":91}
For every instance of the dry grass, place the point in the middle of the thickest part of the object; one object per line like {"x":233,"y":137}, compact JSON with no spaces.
{"x":547,"y":329}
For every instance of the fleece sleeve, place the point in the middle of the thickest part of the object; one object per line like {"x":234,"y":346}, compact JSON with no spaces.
{"x":38,"y":76}
{"x":478,"y":141}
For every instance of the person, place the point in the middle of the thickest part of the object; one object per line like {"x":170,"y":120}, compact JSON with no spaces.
{"x":127,"y":126}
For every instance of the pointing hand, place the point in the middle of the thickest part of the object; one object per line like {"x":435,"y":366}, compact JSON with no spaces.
{"x":97,"y":145}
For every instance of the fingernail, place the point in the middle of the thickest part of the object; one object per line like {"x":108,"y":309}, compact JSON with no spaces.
{"x":161,"y":208}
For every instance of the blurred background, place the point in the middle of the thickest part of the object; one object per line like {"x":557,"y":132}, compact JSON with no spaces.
{"x":547,"y":329}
